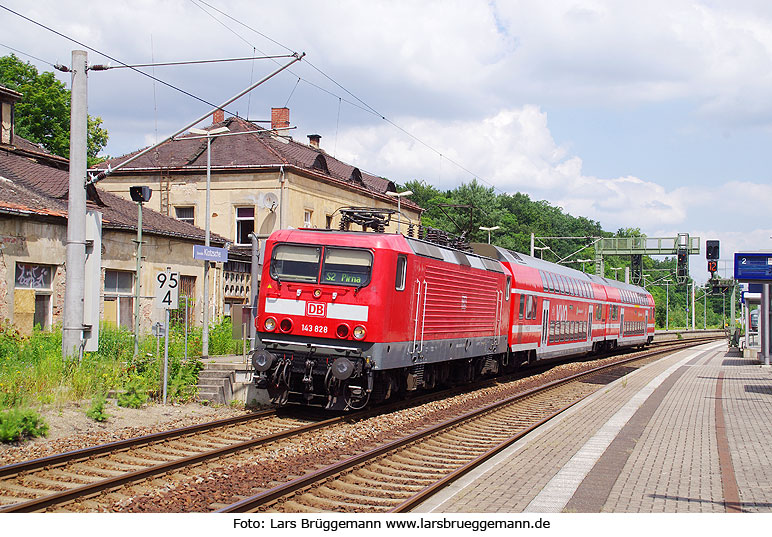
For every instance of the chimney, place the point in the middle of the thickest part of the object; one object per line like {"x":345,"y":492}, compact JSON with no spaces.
{"x":313,"y":140}
{"x":280,"y":120}
{"x":218,"y":116}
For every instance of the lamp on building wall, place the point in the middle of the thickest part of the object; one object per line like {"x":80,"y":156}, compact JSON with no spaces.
{"x":209,"y":134}
{"x":399,"y":196}
{"x":489,"y":229}
{"x":140,"y":194}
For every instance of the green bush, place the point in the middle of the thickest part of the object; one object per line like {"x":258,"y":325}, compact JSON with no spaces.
{"x":17,"y":424}
{"x":135,"y":394}
{"x":97,"y":410}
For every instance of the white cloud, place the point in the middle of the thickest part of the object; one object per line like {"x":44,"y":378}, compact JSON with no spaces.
{"x":512,"y":150}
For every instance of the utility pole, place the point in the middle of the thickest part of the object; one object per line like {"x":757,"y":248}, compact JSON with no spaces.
{"x":75,"y":248}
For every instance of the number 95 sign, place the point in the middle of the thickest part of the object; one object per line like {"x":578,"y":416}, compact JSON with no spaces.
{"x":167,"y":290}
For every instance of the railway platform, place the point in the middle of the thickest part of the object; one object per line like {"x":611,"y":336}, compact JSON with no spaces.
{"x":689,"y":433}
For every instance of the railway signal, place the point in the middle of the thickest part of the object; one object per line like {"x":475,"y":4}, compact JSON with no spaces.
{"x":712,"y":266}
{"x":682,"y":268}
{"x":711,"y":250}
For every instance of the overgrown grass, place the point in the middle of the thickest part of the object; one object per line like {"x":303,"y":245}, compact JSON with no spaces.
{"x":33,"y":373}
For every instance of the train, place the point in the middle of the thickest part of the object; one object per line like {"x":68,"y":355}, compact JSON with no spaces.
{"x":350,"y":318}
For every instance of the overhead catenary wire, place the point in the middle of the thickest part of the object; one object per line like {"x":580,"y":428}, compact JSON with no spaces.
{"x":191,"y":62}
{"x":363,"y":105}
{"x":27,"y":54}
{"x":96,"y":51}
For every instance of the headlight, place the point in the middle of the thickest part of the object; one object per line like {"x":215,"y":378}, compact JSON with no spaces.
{"x":270,"y":324}
{"x":359,"y":332}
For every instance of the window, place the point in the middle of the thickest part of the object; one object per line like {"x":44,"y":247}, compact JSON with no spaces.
{"x":530,"y":307}
{"x":509,"y":287}
{"x":347,"y":266}
{"x":296,"y":263}
{"x":401,"y":273}
{"x":341,"y":266}
{"x":119,"y":299}
{"x":185,"y":214}
{"x":307,"y":218}
{"x":245,"y":224}
{"x":33,"y":281}
{"x":328,"y":221}
{"x":522,"y":305}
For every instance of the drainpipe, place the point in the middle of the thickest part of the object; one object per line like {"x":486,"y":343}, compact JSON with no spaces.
{"x":282,"y":209}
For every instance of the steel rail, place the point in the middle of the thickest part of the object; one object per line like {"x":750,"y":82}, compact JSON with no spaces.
{"x":88,"y":452}
{"x":251,"y":503}
{"x":50,"y":500}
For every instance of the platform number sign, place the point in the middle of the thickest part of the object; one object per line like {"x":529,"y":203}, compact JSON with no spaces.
{"x":167,"y":290}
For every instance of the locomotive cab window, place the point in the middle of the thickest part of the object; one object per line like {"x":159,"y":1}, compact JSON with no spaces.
{"x":401,"y":272}
{"x":343,"y":266}
{"x":295,"y":263}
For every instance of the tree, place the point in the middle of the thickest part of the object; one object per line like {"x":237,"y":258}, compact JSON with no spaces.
{"x":43,"y":113}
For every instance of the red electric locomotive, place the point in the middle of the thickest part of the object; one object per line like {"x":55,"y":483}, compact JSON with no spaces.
{"x":347,"y":318}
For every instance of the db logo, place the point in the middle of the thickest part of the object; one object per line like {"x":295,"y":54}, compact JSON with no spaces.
{"x":315,"y":309}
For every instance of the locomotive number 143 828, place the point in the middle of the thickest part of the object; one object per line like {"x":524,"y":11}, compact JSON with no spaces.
{"x":313,"y":328}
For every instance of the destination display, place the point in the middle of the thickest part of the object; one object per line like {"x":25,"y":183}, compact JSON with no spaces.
{"x":753,"y":266}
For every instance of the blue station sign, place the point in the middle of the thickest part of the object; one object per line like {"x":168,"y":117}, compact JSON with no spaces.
{"x":753,"y":267}
{"x":210,"y":253}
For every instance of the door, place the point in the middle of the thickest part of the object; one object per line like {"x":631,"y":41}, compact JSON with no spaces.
{"x":589,"y":324}
{"x":545,"y":322}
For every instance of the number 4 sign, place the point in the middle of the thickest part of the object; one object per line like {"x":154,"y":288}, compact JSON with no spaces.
{"x":167,"y":290}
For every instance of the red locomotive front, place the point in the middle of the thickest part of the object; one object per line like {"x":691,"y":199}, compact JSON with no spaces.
{"x":347,"y":318}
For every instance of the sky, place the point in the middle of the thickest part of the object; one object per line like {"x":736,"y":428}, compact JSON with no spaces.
{"x":652,"y":115}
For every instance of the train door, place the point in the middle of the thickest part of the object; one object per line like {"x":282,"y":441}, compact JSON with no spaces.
{"x":646,"y":323}
{"x":589,"y":324}
{"x":621,"y":321}
{"x":545,"y":322}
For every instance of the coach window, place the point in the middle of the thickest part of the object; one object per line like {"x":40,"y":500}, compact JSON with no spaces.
{"x":543,"y":279}
{"x":401,"y":272}
{"x":530,"y":310}
{"x":509,"y":288}
{"x":522,"y":304}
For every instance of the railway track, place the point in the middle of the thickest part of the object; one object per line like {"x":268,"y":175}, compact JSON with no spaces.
{"x":398,"y":476}
{"x":58,"y":479}
{"x":52,"y":482}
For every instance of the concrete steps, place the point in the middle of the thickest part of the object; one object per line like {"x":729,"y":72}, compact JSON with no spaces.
{"x":228,"y":378}
{"x":215,"y":382}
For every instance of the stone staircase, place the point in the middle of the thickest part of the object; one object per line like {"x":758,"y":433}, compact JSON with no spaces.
{"x":215,"y":382}
{"x":228,"y":378}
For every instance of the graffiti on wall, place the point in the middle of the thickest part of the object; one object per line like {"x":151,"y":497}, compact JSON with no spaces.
{"x":33,"y":276}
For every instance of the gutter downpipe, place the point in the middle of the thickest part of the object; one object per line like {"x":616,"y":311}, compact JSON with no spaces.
{"x":282,"y":187}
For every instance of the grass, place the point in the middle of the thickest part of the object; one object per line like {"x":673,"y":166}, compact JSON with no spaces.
{"x":33,"y":373}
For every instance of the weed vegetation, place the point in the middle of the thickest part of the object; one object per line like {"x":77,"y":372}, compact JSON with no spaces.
{"x":33,"y":373}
